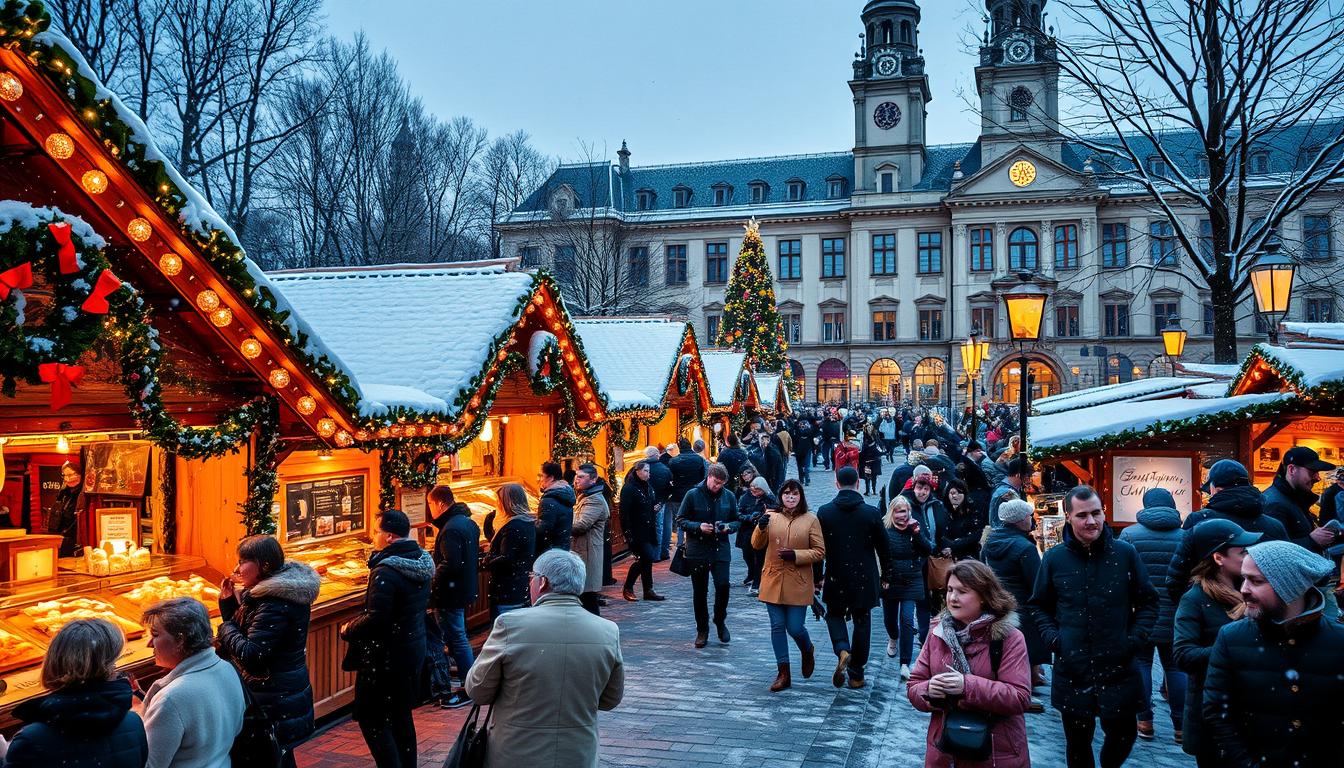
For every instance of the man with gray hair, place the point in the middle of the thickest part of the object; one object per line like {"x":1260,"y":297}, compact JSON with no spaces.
{"x":547,"y":670}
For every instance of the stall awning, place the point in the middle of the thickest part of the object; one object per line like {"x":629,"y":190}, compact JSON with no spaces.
{"x":1137,"y":390}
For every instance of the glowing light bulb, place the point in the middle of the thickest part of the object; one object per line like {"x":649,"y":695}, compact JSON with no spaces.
{"x":326,"y":427}
{"x":251,"y":349}
{"x":62,"y":444}
{"x":487,"y":434}
{"x":95,"y":183}
{"x":343,"y":438}
{"x":60,"y":146}
{"x":10,"y":87}
{"x":221,"y":317}
{"x":139,"y":230}
{"x":307,"y":405}
{"x":170,"y":264}
{"x":207,"y":300}
{"x":279,"y":378}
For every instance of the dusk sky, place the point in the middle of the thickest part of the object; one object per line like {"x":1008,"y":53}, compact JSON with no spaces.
{"x":682,"y":81}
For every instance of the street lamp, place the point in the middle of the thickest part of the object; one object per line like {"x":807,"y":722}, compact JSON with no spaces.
{"x":1173,"y":341}
{"x":1026,"y":309}
{"x":1272,"y":283}
{"x":972,"y":357}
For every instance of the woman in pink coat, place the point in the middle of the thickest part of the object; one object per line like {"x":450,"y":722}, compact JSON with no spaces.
{"x":954,"y":670}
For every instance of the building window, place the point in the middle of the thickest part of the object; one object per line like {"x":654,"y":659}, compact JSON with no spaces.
{"x":793,"y":328}
{"x":1114,"y":245}
{"x":1202,"y":166}
{"x":833,"y":328}
{"x":637,"y":266}
{"x":1066,"y":322}
{"x":982,"y":319}
{"x":884,"y":254}
{"x":1157,"y":167}
{"x":833,"y":257}
{"x":1162,"y":244}
{"x":1306,"y":156}
{"x":884,"y":381}
{"x":681,"y":197}
{"x":835,"y":188}
{"x":1116,"y":320}
{"x":1208,"y":318}
{"x":760,"y":193}
{"x":1019,"y":103}
{"x":1316,"y":237}
{"x":644,"y":199}
{"x":712,"y":329}
{"x":1259,"y":162}
{"x":1163,"y":313}
{"x":930,"y":324}
{"x":796,"y":190}
{"x":722,"y":194}
{"x":982,"y":249}
{"x":930,"y":378}
{"x":676,"y":265}
{"x":1321,"y":310}
{"x":884,"y":325}
{"x":1206,"y":240}
{"x":1023,"y":250}
{"x":887,"y":182}
{"x":1261,"y":327}
{"x":790,"y":259}
{"x":930,"y":253}
{"x":566,"y":261}
{"x":716,"y":262}
{"x":529,"y":256}
{"x":1066,"y":246}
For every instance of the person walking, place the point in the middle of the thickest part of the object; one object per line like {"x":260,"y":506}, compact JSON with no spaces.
{"x":265,"y":606}
{"x":85,"y":719}
{"x":975,"y":661}
{"x":1274,"y":693}
{"x":708,"y":517}
{"x":830,"y":438}
{"x":1156,"y":536}
{"x":555,"y":510}
{"x":1095,"y":608}
{"x":1014,"y":477}
{"x":511,"y":552}
{"x":769,"y":462}
{"x":804,"y":442}
{"x":1011,"y":553}
{"x":1290,"y":497}
{"x":910,"y":547}
{"x":870,"y":460}
{"x":547,"y":671}
{"x":752,"y":503}
{"x":387,"y":639}
{"x":933,"y":519}
{"x":889,"y":431}
{"x":1212,"y":602}
{"x":732,"y":458}
{"x":590,"y":525}
{"x":638,"y":523}
{"x":965,"y":521}
{"x":858,"y":560}
{"x":660,"y":481}
{"x":846,"y":454}
{"x":791,"y":542}
{"x":454,"y":587}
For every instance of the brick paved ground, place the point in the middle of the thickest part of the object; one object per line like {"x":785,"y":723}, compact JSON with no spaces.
{"x":696,"y":709}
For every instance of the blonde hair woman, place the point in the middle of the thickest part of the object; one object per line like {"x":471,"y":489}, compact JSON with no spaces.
{"x":511,"y":550}
{"x":910,"y":547}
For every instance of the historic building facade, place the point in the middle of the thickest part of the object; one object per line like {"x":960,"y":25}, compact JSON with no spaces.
{"x":886,"y":256}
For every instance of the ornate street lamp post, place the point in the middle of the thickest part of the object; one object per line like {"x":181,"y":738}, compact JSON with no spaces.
{"x":1272,"y":283}
{"x":973,"y":356}
{"x":1173,"y":341}
{"x":1026,"y":309}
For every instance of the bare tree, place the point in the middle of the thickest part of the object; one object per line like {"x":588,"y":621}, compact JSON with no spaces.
{"x":96,"y":28}
{"x":1238,"y":76}
{"x":511,"y":170}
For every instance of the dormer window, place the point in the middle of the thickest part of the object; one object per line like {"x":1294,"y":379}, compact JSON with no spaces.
{"x":1156,"y":167}
{"x":723,"y":194}
{"x":681,"y":197}
{"x":645,"y":199}
{"x":835,"y":187}
{"x":1260,"y":162}
{"x":886,"y":179}
{"x":760,"y":192}
{"x":796,"y":190}
{"x":1202,"y":166}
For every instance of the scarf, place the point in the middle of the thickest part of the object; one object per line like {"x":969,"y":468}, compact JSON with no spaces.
{"x":957,"y":639}
{"x":1222,"y":594}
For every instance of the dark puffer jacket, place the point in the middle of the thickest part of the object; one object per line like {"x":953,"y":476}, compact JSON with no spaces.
{"x":509,"y":558}
{"x":688,"y":470}
{"x":749,"y":511}
{"x":387,"y":638}
{"x":83,"y":726}
{"x":1273,"y":692}
{"x":1157,"y":537}
{"x":457,"y":549}
{"x":555,"y":518}
{"x":856,"y":547}
{"x":1292,"y":507}
{"x":1243,"y":505}
{"x":637,"y":520}
{"x":1095,"y":609}
{"x":1198,"y":619}
{"x":265,"y":635}
{"x":909,"y":551}
{"x":660,"y":478}
{"x":965,"y":529}
{"x":1012,"y":555}
{"x":700,"y":506}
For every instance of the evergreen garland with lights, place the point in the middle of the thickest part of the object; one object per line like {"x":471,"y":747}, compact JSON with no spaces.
{"x":751,"y":321}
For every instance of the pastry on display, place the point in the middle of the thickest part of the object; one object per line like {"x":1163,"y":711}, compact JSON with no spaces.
{"x":166,"y":588}
{"x":15,"y":650}
{"x":109,"y":558}
{"x":350,"y":569}
{"x":50,"y":615}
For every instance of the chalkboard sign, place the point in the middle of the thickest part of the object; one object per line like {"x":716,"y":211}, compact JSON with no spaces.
{"x":1132,"y":475}
{"x":329,"y":506}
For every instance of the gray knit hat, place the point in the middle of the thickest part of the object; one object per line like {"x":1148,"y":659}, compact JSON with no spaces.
{"x":1015,"y":511}
{"x":762,"y":483}
{"x":1290,"y":569}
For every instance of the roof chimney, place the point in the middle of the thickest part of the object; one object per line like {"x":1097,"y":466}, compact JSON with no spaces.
{"x":624,"y":155}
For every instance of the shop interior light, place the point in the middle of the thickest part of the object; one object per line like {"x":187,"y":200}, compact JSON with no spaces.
{"x":62,"y":444}
{"x":487,"y":434}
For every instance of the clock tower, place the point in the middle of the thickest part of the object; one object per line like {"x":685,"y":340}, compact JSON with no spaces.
{"x":1018,"y":81}
{"x":890,"y":91}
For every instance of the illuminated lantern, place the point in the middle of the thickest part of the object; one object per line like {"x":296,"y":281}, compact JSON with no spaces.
{"x":10,"y":87}
{"x":207,"y":300}
{"x":343,"y":438}
{"x":251,"y":349}
{"x":170,"y":264}
{"x":95,"y":183}
{"x":1272,"y":285}
{"x":279,"y":378}
{"x":1173,"y":339}
{"x":1026,"y":308}
{"x":307,"y":405}
{"x":221,"y":317}
{"x":326,"y":427}
{"x":60,"y":146}
{"x":139,"y":230}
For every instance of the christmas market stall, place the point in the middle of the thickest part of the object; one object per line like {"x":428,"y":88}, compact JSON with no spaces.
{"x":732,"y":388}
{"x":773,"y":391}
{"x":150,"y":375}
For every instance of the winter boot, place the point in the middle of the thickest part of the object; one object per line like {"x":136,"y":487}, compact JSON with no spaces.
{"x":782,"y":680}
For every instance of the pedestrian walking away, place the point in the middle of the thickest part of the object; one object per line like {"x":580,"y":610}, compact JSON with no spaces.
{"x":708,"y":518}
{"x":454,"y":589}
{"x":660,"y":480}
{"x":791,"y":541}
{"x":511,"y":552}
{"x":638,"y":523}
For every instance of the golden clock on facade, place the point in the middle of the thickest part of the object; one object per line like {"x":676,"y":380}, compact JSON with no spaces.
{"x":1022,"y":173}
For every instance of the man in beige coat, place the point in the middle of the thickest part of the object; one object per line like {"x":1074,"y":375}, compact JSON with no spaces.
{"x":591,"y":514}
{"x":547,"y":670}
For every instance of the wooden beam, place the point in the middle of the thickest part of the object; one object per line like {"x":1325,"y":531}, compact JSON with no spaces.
{"x":1078,"y":471}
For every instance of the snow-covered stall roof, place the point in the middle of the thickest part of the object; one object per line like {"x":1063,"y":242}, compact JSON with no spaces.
{"x":1136,"y":390}
{"x":1212,"y":370}
{"x":774,"y":394}
{"x":724,"y":369}
{"x":634,"y":359}
{"x":413,"y":337}
{"x":1301,"y":368}
{"x":1322,"y":331}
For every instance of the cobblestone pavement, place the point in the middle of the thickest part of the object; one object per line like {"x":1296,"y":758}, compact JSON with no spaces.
{"x":696,"y":709}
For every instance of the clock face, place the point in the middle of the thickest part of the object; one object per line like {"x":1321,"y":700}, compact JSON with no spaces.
{"x":1018,"y":51}
{"x":887,"y":65}
{"x":1022,"y":173}
{"x":887,"y":115}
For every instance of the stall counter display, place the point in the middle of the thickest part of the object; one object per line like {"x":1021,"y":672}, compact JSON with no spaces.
{"x":481,"y":495}
{"x":342,"y":565}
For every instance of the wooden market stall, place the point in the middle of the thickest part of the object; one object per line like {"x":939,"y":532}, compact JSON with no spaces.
{"x":732,"y":387}
{"x":773,"y":390}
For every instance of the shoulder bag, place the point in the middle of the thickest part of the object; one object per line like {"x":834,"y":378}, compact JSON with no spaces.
{"x":255,"y":744}
{"x":938,"y":568}
{"x":679,"y":565}
{"x":966,"y":734}
{"x":472,"y":743}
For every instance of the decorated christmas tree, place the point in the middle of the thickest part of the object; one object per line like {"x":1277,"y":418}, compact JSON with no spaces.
{"x":751,"y":321}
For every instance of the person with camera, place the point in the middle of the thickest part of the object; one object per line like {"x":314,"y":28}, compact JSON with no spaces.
{"x":708,"y":518}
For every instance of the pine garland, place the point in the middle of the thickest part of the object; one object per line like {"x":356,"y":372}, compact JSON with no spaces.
{"x":751,"y":321}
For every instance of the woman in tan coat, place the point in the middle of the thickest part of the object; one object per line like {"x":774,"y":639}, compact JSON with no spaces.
{"x":791,"y":538}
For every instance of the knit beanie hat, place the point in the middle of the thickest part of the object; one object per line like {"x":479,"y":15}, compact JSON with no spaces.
{"x":1290,"y":569}
{"x":762,"y":483}
{"x":1158,"y":497}
{"x":921,"y":470}
{"x":1015,"y":511}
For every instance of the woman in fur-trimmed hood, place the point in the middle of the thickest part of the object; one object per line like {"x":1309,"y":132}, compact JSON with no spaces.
{"x":975,"y":660}
{"x":266,"y":604}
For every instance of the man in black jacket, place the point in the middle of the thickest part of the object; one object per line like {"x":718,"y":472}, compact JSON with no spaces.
{"x":688,"y":471}
{"x":453,"y":590}
{"x":856,"y":544}
{"x":1095,"y":609}
{"x":830,"y":436}
{"x":555,"y":511}
{"x":660,"y":483}
{"x":1274,"y":694}
{"x":708,"y":518}
{"x":802,"y":449}
{"x":1290,"y":498}
{"x":732,"y":458}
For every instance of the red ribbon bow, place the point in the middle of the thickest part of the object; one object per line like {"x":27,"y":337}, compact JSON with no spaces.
{"x":66,"y":256}
{"x":96,"y":304}
{"x":16,"y":279}
{"x":61,"y":377}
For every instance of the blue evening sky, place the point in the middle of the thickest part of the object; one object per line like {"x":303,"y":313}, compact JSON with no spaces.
{"x":681,"y":80}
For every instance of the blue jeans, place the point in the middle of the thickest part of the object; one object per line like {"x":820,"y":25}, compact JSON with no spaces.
{"x":659,"y":526}
{"x":790,"y":620}
{"x":453,"y":626}
{"x":899,"y":618}
{"x":1175,"y":682}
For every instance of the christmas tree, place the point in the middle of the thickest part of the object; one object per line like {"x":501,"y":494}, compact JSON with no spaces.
{"x":751,"y":321}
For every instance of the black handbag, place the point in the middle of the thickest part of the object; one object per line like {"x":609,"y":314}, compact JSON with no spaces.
{"x":679,"y":565}
{"x":966,"y":735}
{"x":255,"y":744}
{"x":472,"y":743}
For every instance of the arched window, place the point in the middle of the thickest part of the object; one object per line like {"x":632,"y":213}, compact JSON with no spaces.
{"x":1023,"y":250}
{"x":799,"y":379}
{"x":886,"y":33}
{"x":832,"y":381}
{"x":930,"y":381}
{"x":906,"y":32}
{"x":1019,"y":103}
{"x":884,"y":381}
{"x":1044,"y":382}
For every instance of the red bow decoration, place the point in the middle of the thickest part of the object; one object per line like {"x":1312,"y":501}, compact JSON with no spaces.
{"x":61,"y":377}
{"x":96,"y":304}
{"x":66,"y":256}
{"x":16,"y":279}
